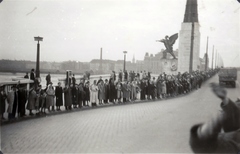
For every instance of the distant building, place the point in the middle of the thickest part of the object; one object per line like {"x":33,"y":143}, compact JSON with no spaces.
{"x":107,"y":66}
{"x":156,"y":64}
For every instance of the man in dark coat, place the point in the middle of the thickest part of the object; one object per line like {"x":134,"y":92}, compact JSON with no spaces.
{"x":208,"y":138}
{"x":3,"y":97}
{"x":81,"y":95}
{"x":26,"y":76}
{"x":120,"y":75}
{"x":125,"y":75}
{"x":67,"y":97}
{"x":143,"y":90}
{"x":74,"y":96}
{"x":48,"y":79}
{"x":32,"y":77}
{"x":73,"y":80}
{"x":22,"y":100}
{"x":59,"y":94}
{"x":87,"y":94}
{"x":112,"y":91}
{"x":106,"y":87}
{"x":125,"y":91}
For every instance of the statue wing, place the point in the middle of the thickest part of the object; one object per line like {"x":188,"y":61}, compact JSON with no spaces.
{"x":172,"y":39}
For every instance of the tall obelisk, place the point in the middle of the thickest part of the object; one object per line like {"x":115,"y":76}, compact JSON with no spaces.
{"x":189,"y":39}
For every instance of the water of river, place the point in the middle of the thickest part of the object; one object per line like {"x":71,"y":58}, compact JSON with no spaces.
{"x":54,"y":77}
{"x":9,"y":76}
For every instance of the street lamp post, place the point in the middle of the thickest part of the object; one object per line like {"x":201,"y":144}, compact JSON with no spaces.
{"x":38,"y":56}
{"x":124,"y":65}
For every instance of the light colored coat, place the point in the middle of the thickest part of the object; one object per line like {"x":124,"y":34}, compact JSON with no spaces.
{"x":101,"y":91}
{"x":10,"y":100}
{"x":31,"y":100}
{"x":93,"y":93}
{"x":164,"y":87}
{"x":119,"y":90}
{"x":50,"y":97}
{"x":133,"y":90}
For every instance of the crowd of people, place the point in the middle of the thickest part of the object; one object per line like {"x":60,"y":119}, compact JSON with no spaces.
{"x":122,"y":88}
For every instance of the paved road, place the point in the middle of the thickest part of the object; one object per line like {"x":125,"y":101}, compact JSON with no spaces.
{"x":159,"y":126}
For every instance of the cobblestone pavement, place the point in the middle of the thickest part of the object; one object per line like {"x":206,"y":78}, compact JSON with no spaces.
{"x":158,"y":126}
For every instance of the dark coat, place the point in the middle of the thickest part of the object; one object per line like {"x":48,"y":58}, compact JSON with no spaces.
{"x":68,"y":96}
{"x":231,"y":116}
{"x":143,"y":90}
{"x":3,"y":97}
{"x":81,"y":93}
{"x":59,"y":94}
{"x":112,"y":91}
{"x":106,"y":86}
{"x":32,"y":76}
{"x":22,"y":99}
{"x":217,"y":142}
{"x":74,"y":95}
{"x":87,"y":93}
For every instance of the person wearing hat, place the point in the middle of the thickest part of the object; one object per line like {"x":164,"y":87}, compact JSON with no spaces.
{"x":50,"y":97}
{"x":100,"y":80}
{"x":67,"y":97}
{"x":59,"y":96}
{"x":48,"y":79}
{"x":32,"y":76}
{"x":31,"y":100}
{"x":94,"y":93}
{"x":10,"y":100}
{"x":208,"y":137}
{"x":112,"y":90}
{"x":120,"y":75}
{"x":106,"y":89}
{"x":101,"y":92}
{"x":81,"y":95}
{"x":87,"y":94}
{"x":22,"y":100}
{"x":13,"y":102}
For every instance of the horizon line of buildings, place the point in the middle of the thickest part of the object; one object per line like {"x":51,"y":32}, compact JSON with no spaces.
{"x":150,"y":63}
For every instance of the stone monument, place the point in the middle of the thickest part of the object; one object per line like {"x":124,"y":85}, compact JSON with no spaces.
{"x":169,"y":64}
{"x":189,"y":26}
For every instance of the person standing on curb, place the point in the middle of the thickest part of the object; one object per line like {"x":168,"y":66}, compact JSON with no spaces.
{"x":59,"y":94}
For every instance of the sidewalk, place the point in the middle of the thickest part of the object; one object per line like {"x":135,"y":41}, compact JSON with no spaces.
{"x":63,"y":111}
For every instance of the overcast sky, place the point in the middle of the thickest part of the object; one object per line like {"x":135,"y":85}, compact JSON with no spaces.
{"x":77,"y":29}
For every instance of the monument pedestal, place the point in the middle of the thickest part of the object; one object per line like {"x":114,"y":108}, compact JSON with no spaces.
{"x":185,"y":47}
{"x":169,"y":66}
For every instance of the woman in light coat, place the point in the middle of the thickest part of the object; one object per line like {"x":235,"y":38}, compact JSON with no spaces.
{"x":10,"y":99}
{"x":50,"y":96}
{"x":94,"y":93}
{"x":31,"y":100}
{"x":101,"y":92}
{"x":164,"y":88}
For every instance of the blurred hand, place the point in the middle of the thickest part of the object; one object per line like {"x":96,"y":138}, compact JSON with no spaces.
{"x":219,"y":91}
